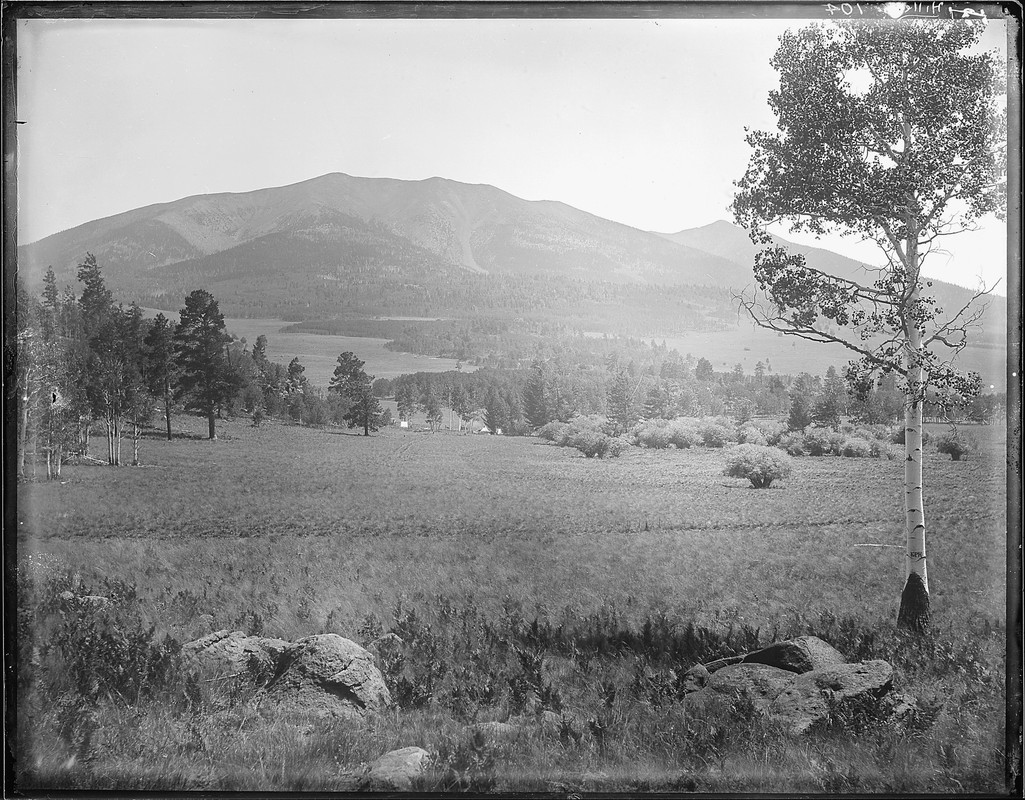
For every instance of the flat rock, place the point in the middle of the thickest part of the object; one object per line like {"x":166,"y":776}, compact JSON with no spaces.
{"x":232,"y":651}
{"x":396,"y":771}
{"x":759,"y":683}
{"x":328,"y":675}
{"x":809,"y":698}
{"x":803,"y":654}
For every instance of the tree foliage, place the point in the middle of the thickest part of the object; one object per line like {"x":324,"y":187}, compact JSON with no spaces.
{"x":208,"y":379}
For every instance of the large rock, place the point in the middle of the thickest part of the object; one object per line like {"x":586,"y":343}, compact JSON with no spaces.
{"x":811,"y":696}
{"x":328,"y":675}
{"x":694,"y":679}
{"x":759,"y":683}
{"x":232,"y":651}
{"x":803,"y":654}
{"x":396,"y":771}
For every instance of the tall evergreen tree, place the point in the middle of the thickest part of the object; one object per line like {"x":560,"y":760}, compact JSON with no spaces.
{"x":161,"y":369}
{"x":620,"y":402}
{"x":207,"y":379}
{"x":352,"y":383}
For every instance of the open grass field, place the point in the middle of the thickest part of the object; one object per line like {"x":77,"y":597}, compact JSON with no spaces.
{"x":319,"y":352}
{"x":286,"y":531}
{"x":747,"y":345}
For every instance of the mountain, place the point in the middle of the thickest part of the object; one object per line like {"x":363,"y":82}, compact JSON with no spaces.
{"x":338,"y":224}
{"x":340,"y":244}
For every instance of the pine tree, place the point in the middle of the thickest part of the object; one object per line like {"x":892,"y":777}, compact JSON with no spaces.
{"x":207,"y":378}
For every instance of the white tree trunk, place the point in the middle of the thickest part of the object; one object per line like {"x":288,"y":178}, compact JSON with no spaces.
{"x":914,"y":600}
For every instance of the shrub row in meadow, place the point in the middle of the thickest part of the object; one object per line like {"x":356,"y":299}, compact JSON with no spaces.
{"x":874,"y":441}
{"x":686,"y":432}
{"x":592,"y":436}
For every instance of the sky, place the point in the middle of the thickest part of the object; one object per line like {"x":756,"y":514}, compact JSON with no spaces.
{"x":638,"y":121}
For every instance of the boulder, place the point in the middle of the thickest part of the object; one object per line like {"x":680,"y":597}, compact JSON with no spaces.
{"x":396,"y":771}
{"x":759,"y":683}
{"x":803,"y":654}
{"x":232,"y":651}
{"x":694,"y":679}
{"x":811,"y":696}
{"x":719,"y":663}
{"x":328,"y":675}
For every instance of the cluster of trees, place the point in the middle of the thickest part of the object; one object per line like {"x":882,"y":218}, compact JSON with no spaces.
{"x":84,"y":361}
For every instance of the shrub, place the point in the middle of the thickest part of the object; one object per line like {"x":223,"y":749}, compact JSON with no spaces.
{"x":883,"y":449}
{"x":957,"y":445}
{"x":822,"y":442}
{"x":792,"y":443}
{"x":771,"y":429}
{"x":897,"y":435}
{"x":654,"y":434}
{"x":590,"y":443}
{"x":749,"y":434}
{"x":714,"y":434}
{"x":553,"y":431}
{"x":684,"y":433}
{"x":856,"y":448}
{"x":760,"y":465}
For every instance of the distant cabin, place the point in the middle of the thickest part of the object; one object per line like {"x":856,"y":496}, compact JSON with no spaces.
{"x":403,"y":423}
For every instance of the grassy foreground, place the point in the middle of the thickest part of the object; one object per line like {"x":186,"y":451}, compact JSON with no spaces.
{"x":523,"y":578}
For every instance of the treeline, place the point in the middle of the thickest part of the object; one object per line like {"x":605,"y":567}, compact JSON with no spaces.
{"x":651,"y":383}
{"x":84,"y":362}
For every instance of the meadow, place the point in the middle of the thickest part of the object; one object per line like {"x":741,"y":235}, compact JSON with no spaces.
{"x":319,"y":352}
{"x":616,"y":574}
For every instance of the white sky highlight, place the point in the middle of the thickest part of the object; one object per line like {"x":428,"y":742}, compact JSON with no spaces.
{"x":639,"y":121}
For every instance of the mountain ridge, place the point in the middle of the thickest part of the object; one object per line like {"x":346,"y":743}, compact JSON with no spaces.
{"x":341,"y":227}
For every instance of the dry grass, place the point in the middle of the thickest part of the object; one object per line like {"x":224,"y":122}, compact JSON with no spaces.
{"x":287,"y":532}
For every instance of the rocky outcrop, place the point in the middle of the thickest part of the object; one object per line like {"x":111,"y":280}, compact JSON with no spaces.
{"x":396,"y":771}
{"x":812,"y":696}
{"x":328,"y":675}
{"x":798,"y":683}
{"x":803,"y":654}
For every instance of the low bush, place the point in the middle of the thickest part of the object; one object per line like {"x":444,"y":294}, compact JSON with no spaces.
{"x":684,"y":433}
{"x":898,"y":433}
{"x":792,"y":443}
{"x":749,"y":434}
{"x":553,"y":431}
{"x":823,"y":442}
{"x":760,"y":465}
{"x":653,"y":434}
{"x":883,"y":449}
{"x":957,"y":445}
{"x":856,"y":448}
{"x":714,"y":434}
{"x":771,"y":429}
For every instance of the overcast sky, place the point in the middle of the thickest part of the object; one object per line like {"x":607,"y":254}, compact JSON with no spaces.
{"x":639,"y":121}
